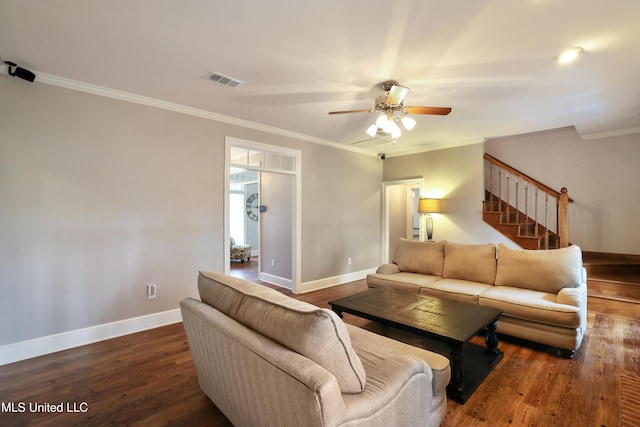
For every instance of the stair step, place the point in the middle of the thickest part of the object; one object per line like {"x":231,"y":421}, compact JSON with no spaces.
{"x":503,"y":213}
{"x":512,"y":231}
{"x":614,"y":273}
{"x":619,"y":291}
{"x":613,"y":276}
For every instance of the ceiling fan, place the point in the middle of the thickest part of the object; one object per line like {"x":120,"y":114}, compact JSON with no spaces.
{"x":393,"y":110}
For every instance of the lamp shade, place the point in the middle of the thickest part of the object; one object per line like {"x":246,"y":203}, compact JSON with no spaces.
{"x":429,"y":206}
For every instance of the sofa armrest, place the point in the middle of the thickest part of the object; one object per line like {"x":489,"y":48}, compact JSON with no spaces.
{"x":575,"y":296}
{"x":375,"y":349}
{"x":388,"y":269}
{"x":400,"y":388}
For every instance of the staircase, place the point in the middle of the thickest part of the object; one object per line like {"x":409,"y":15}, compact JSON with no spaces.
{"x":517,"y":226}
{"x":523,"y":209}
{"x":536,"y":217}
{"x":613,"y":276}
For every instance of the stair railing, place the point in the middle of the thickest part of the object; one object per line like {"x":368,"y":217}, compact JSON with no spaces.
{"x":502,"y":182}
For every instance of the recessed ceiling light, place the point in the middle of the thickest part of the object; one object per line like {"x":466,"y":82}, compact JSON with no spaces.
{"x":569,"y":55}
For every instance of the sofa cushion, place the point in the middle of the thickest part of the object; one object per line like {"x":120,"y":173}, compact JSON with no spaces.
{"x":419,"y":257}
{"x":455,"y":289}
{"x":476,"y":263}
{"x":542,"y":270}
{"x":404,"y":281}
{"x":531,"y":305}
{"x":316,"y":333}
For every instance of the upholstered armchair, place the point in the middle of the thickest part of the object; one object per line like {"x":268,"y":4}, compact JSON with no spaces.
{"x":240,"y":252}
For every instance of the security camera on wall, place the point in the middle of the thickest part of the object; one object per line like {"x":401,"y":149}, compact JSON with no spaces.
{"x":20,"y":72}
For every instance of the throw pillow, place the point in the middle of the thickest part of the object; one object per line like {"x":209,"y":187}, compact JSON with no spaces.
{"x":419,"y":257}
{"x":542,"y":270}
{"x":476,"y":263}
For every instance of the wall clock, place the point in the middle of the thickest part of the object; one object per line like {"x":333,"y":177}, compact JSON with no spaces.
{"x":252,"y":206}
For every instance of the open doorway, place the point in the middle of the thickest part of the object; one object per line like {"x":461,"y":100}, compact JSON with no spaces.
{"x":400,"y":218}
{"x":244,"y":230}
{"x":265,"y":175}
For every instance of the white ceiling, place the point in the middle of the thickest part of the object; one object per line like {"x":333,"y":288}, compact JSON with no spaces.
{"x":490,"y":60}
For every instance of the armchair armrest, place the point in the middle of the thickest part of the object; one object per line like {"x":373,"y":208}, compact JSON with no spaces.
{"x":400,"y":389}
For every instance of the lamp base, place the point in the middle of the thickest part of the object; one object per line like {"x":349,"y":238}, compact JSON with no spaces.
{"x":429,"y":228}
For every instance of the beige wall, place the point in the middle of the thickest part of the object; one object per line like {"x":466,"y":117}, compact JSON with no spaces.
{"x":398,"y":226}
{"x":277,"y":194}
{"x":341,"y":198}
{"x":99,"y":197}
{"x":601,"y":175}
{"x":456,"y":176}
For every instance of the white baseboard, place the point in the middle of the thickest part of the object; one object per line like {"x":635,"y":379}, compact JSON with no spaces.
{"x":276,"y":280}
{"x":23,"y":350}
{"x":314,"y":285}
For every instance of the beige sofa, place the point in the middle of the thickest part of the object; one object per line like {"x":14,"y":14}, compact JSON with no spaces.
{"x":266,"y":359}
{"x":543,"y":293}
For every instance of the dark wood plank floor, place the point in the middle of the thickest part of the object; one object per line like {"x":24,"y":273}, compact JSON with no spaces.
{"x":148,"y":379}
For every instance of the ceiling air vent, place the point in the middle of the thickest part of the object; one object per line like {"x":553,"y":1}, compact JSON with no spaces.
{"x":225,"y":80}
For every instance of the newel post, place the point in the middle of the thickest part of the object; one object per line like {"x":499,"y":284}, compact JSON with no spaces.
{"x":563,"y":218}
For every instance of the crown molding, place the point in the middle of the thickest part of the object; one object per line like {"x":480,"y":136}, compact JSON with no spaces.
{"x":435,"y":147}
{"x":608,"y":134}
{"x":63,"y":82}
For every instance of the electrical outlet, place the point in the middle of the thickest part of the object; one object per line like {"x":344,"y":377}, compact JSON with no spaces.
{"x":151,"y":291}
{"x":349,"y":260}
{"x":273,"y":263}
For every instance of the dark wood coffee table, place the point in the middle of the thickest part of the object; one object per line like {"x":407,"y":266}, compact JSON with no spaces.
{"x":437,"y":321}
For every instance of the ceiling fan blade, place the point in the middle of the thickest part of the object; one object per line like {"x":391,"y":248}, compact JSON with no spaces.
{"x":397,"y":94}
{"x":350,"y":111}
{"x":440,"y":111}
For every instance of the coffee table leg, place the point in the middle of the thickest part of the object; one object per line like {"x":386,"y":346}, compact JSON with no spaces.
{"x":457,"y":377}
{"x":491,"y":339}
{"x":338,"y":312}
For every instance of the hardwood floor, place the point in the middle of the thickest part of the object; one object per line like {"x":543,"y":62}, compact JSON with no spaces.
{"x":245,"y":270}
{"x":148,"y":379}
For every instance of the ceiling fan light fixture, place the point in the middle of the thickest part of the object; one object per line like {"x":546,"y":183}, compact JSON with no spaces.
{"x":384,"y":123}
{"x":397,"y":94}
{"x":408,"y":122}
{"x":372,"y":130}
{"x":395,"y":131}
{"x":392,"y":111}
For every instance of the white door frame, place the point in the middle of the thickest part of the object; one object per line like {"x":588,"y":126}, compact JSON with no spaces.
{"x":419,"y":182}
{"x":296,"y":241}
